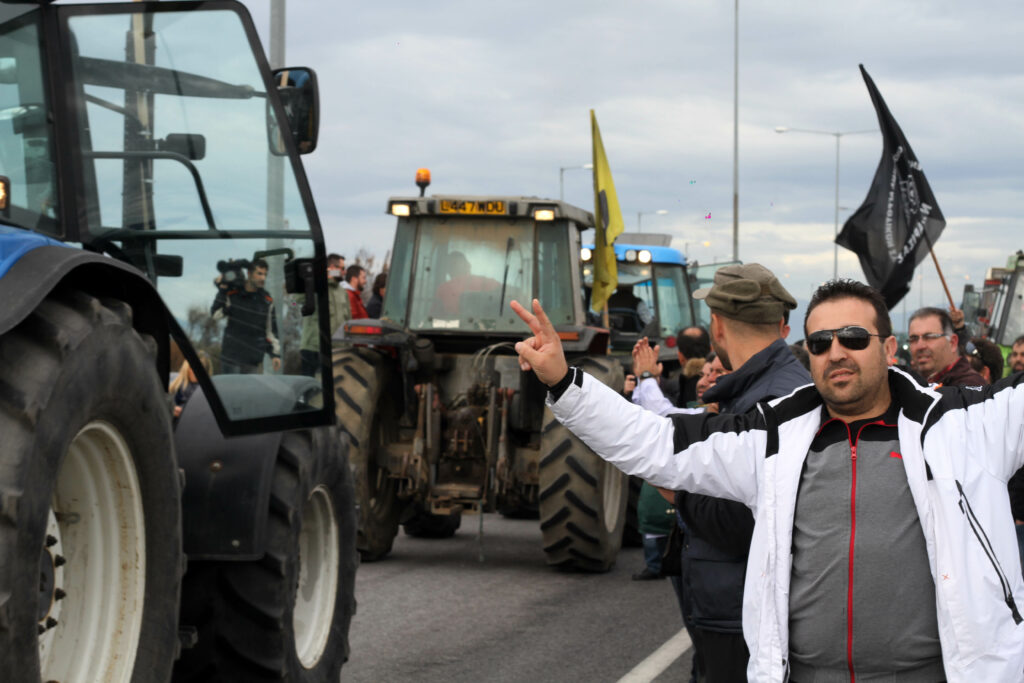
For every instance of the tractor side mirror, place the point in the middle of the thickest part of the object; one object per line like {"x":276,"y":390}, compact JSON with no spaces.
{"x":300,"y":97}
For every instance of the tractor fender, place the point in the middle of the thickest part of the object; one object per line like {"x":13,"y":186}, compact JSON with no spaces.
{"x":33,"y":272}
{"x":227,"y":485}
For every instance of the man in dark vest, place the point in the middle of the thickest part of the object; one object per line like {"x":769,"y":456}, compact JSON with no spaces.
{"x":747,"y":305}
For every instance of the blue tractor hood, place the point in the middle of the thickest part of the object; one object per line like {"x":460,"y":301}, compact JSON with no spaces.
{"x":16,"y":242}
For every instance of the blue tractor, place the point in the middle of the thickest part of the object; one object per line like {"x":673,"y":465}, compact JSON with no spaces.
{"x":653,"y":298}
{"x":155,"y":217}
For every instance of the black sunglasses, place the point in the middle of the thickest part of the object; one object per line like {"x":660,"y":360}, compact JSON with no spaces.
{"x":852,"y":337}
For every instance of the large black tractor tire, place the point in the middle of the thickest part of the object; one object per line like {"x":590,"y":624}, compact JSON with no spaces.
{"x":423,"y":524}
{"x":582,"y":498}
{"x":631,"y":535}
{"x":359,"y":378}
{"x":285,"y":616}
{"x":90,"y":500}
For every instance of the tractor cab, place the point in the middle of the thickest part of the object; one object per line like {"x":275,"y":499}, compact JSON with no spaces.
{"x":653,"y":297}
{"x":996,"y":310}
{"x":459,"y":260}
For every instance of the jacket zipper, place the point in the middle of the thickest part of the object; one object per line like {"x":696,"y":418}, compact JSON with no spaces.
{"x":853,"y":535}
{"x":986,"y":545}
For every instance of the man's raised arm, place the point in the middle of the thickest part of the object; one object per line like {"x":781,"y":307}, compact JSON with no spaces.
{"x":635,"y":440}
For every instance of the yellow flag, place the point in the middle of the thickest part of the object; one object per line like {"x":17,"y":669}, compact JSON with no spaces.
{"x":608,"y":224}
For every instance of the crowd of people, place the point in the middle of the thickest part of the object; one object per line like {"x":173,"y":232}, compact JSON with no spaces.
{"x":250,"y":333}
{"x":841,"y":518}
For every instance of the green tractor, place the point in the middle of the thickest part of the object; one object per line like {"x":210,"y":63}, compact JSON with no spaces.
{"x":443,"y":420}
{"x":996,"y":311}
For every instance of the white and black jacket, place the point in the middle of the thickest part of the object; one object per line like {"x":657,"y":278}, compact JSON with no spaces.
{"x":959,"y":447}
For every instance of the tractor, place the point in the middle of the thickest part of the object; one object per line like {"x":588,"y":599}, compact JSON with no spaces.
{"x":155,"y":218}
{"x":443,"y":421}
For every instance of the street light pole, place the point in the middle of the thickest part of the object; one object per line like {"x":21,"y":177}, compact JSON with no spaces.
{"x":835,"y":246}
{"x":736,"y":135}
{"x":561,"y":177}
{"x":639,"y":214}
{"x":838,"y":136}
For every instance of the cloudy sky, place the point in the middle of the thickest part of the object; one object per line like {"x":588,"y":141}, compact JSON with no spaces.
{"x":495,"y":97}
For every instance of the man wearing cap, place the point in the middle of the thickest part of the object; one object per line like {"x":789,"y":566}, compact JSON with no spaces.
{"x":747,"y":305}
{"x":883,"y":548}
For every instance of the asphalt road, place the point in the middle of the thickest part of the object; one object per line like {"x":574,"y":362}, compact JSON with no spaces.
{"x":433,"y":611}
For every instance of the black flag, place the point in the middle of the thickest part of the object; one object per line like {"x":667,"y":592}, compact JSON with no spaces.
{"x":899,"y":221}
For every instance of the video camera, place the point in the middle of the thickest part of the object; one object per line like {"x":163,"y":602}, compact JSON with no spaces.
{"x":232,"y":273}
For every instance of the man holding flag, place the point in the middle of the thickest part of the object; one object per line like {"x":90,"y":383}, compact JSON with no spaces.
{"x":899,"y":221}
{"x":608,"y":226}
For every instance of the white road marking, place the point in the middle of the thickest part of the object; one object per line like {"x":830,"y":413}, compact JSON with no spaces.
{"x":659,"y":660}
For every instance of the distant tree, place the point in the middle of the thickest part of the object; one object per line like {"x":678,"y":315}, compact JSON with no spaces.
{"x":204,"y":331}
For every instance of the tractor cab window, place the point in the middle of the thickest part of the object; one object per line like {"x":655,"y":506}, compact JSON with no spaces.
{"x":674,"y":312}
{"x":651,"y":299}
{"x":26,"y":153}
{"x":467,"y":270}
{"x":631,"y":307}
{"x":180,"y":172}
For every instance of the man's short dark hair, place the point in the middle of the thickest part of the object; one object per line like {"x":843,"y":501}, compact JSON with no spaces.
{"x":928,"y":311}
{"x":335,"y":258}
{"x":353,"y":271}
{"x":257,"y":263}
{"x":1018,"y":340}
{"x":691,"y":346}
{"x":989,"y":355}
{"x":851,"y":289}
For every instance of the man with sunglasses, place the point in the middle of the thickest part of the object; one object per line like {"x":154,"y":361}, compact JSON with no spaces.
{"x":935,"y":350}
{"x":884,"y":553}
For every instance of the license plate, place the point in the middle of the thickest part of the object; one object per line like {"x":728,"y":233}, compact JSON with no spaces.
{"x":473,"y":207}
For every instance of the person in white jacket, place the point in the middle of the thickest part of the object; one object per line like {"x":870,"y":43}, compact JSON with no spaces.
{"x":883,"y":546}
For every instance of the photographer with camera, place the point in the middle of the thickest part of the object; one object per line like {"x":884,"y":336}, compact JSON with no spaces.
{"x":251,"y":330}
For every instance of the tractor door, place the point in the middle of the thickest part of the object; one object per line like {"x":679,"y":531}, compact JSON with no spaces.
{"x":182,"y":160}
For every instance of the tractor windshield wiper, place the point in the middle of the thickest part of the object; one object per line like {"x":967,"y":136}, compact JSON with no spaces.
{"x":504,"y":280}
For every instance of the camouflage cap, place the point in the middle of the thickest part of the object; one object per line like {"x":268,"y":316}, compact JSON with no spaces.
{"x":750,"y":293}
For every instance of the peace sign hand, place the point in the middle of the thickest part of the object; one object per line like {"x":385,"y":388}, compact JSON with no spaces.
{"x":542,"y":352}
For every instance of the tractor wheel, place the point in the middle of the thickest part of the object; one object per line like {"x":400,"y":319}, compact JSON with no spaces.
{"x":90,"y":500}
{"x":286,"y":615}
{"x":359,"y":377}
{"x":631,"y":536}
{"x":426,"y":525}
{"x":582,"y":497}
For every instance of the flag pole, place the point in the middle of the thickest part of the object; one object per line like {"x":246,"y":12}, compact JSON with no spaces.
{"x":942,"y":278}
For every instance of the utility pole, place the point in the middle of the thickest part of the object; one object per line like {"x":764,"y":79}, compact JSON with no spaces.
{"x":736,"y":135}
{"x":275,"y":165}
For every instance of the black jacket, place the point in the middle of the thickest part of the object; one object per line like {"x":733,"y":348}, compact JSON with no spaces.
{"x":718,"y":531}
{"x":251,"y":330}
{"x":375,"y":305}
